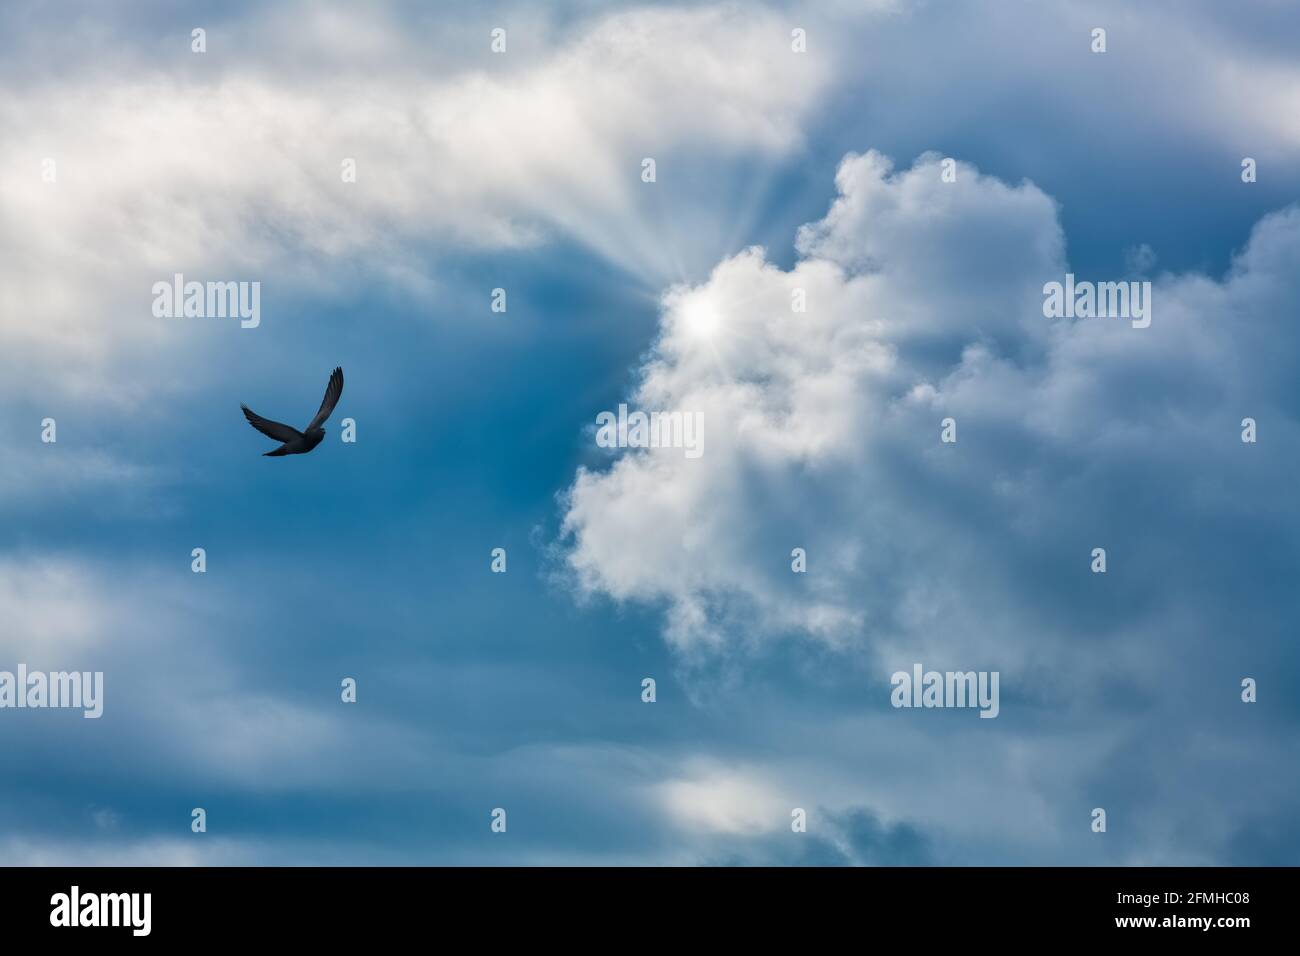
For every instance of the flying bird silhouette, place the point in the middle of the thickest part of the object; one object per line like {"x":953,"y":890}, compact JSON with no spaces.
{"x":294,"y":441}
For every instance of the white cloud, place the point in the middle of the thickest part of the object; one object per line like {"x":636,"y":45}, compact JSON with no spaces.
{"x":212,"y":851}
{"x":52,"y":607}
{"x":822,"y":430}
{"x":726,"y":800}
{"x":227,"y":166}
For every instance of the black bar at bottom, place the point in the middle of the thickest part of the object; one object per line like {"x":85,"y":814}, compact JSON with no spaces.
{"x":605,"y":905}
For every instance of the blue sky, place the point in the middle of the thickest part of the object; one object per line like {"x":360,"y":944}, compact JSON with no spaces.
{"x":522,"y":171}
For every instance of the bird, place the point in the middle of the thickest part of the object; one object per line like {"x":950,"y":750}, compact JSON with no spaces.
{"x":294,"y":441}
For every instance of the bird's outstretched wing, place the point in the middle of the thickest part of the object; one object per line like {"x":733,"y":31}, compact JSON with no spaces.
{"x":277,"y":430}
{"x":332,"y":392}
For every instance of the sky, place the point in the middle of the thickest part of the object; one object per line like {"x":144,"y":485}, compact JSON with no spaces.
{"x":820,"y":171}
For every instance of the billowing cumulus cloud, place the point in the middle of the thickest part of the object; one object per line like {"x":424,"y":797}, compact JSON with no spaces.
{"x":924,"y":302}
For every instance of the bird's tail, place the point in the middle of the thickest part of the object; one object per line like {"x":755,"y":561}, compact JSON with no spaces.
{"x":275,"y":454}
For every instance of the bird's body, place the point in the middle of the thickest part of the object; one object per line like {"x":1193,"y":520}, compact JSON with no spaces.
{"x":294,"y":442}
{"x":298,"y":446}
